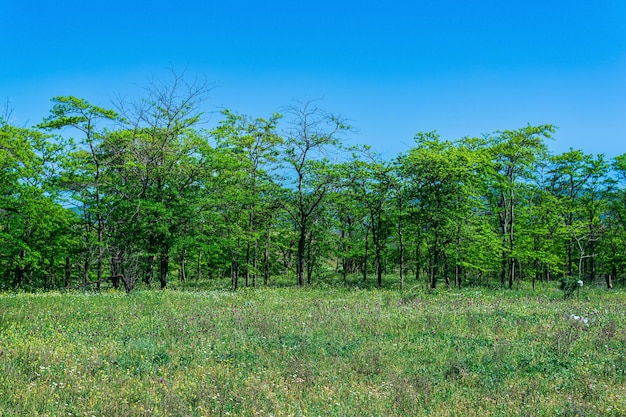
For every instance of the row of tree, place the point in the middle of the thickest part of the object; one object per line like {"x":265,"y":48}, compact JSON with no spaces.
{"x":125,"y":196}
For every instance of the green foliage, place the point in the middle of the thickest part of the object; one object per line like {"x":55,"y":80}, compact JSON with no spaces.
{"x":35,"y":232}
{"x":146,"y":193}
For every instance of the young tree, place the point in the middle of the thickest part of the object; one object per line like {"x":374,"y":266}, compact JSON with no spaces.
{"x":441,"y":183}
{"x":567,"y":178}
{"x":372,"y":191}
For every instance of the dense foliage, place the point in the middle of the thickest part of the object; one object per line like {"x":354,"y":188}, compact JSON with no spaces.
{"x":94,"y":196}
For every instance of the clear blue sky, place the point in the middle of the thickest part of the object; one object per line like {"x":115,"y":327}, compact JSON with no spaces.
{"x":393,"y":68}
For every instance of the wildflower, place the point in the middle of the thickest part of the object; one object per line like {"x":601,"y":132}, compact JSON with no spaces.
{"x":579,"y":282}
{"x":581,"y":319}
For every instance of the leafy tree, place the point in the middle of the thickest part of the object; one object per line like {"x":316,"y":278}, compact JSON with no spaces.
{"x":441,"y":182}
{"x":514,"y":157}
{"x":253,"y":148}
{"x":593,"y":210}
{"x":314,"y":134}
{"x":161,"y":161}
{"x":350,"y":221}
{"x":568,"y":176}
{"x":35,"y":231}
{"x":84,"y":169}
{"x":373,"y":193}
{"x":613,"y":244}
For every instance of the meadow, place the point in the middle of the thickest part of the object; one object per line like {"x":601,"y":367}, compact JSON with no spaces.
{"x":314,"y":351}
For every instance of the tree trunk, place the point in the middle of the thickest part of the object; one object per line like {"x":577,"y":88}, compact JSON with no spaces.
{"x":199,"y":268}
{"x":418,"y":265}
{"x":19,"y":268}
{"x":86,"y":269}
{"x":234,"y":274}
{"x":301,"y":265}
{"x":255,"y":262}
{"x":164,"y":269}
{"x":149,"y":276}
{"x":365,"y":260}
{"x":248,"y":257}
{"x":446,"y":270}
{"x":379,"y":268}
{"x":266,"y":258}
{"x":67,"y":271}
{"x":99,"y":262}
{"x":511,"y":272}
{"x":570,"y":259}
{"x":183,"y":272}
{"x":115,"y":272}
{"x":401,"y":250}
{"x":434,"y":267}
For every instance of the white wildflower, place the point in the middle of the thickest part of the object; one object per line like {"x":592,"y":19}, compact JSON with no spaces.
{"x":581,"y":319}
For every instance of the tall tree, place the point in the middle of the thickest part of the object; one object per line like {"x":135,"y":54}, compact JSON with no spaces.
{"x":441,"y":182}
{"x":84,"y":169}
{"x":567,"y":178}
{"x":594,"y":201}
{"x":372,"y":191}
{"x":168,"y":159}
{"x":313,"y":136}
{"x":35,"y":231}
{"x":253,"y":147}
{"x":514,"y":155}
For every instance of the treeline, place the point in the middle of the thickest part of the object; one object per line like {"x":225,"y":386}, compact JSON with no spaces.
{"x":126,"y":196}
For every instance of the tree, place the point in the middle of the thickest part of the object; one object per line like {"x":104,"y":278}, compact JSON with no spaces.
{"x":372,"y":191}
{"x":161,"y":162}
{"x":441,"y":186}
{"x":35,"y":231}
{"x":613,"y":244}
{"x":253,"y":148}
{"x":84,"y":169}
{"x":314,"y":134}
{"x":568,"y":177}
{"x":514,"y":155}
{"x":594,"y":207}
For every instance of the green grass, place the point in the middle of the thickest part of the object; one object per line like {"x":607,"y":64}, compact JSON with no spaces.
{"x":306,"y":352}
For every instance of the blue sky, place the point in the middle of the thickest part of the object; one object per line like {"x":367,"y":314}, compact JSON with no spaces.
{"x":393,"y":68}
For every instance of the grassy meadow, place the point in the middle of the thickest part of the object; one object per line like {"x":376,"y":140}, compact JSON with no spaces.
{"x":310,"y":352}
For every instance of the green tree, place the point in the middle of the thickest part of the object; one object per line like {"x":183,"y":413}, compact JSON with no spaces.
{"x":594,"y":201}
{"x":515,"y":154}
{"x":613,"y":244}
{"x":372,"y":191}
{"x":83,"y":170}
{"x":253,"y":148}
{"x":157,"y":179}
{"x":568,"y":176}
{"x":35,"y":231}
{"x":441,"y":186}
{"x":314,"y":134}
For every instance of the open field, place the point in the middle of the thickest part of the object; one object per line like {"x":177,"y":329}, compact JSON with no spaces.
{"x":330,"y":352}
